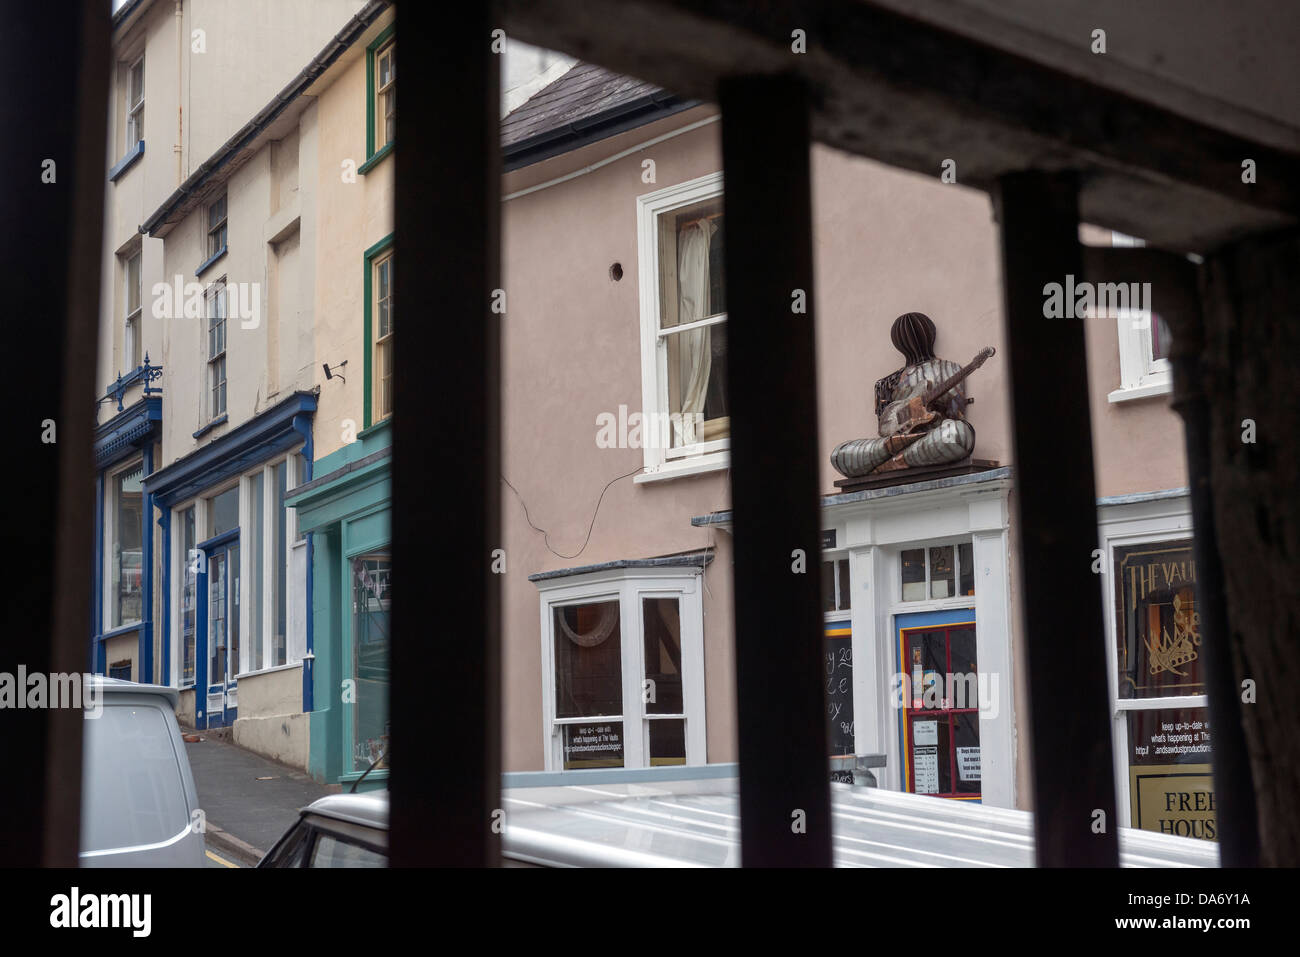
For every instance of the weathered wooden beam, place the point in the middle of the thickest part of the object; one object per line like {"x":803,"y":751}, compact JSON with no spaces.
{"x":1069,"y":727}
{"x":911,"y":94}
{"x":1175,"y":296}
{"x":50,"y":251}
{"x":446,"y":430}
{"x":1251,"y":309}
{"x":772,"y":390}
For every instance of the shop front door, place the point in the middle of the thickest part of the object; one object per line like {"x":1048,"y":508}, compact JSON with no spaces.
{"x":223,"y":631}
{"x":939,"y":723}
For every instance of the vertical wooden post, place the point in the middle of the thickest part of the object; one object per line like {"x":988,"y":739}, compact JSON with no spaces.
{"x":50,"y":252}
{"x":772,"y":391}
{"x":1073,"y":772}
{"x":1251,"y":307}
{"x":446,"y":701}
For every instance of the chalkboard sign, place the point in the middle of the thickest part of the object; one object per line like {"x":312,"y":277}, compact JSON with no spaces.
{"x":838,"y":673}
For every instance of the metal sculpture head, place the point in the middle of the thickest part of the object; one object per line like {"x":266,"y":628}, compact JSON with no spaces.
{"x":913,"y":335}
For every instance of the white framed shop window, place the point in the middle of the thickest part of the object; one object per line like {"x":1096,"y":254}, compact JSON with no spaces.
{"x":963,"y":530}
{"x":1158,"y":524}
{"x":623,"y":669}
{"x":685,"y":424}
{"x":276,"y":582}
{"x":272,"y":571}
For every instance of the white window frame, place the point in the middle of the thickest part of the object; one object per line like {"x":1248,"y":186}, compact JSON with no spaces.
{"x":133,"y":326}
{"x":628,"y":587}
{"x":216,"y":294}
{"x":293,"y":590}
{"x":660,"y":463}
{"x":378,"y":411}
{"x":1141,"y":374}
{"x":835,"y":556}
{"x":180,"y":561}
{"x":134,"y":112}
{"x":1166,"y":519}
{"x":904,"y":607}
{"x":222,"y":226}
{"x":381,"y":124}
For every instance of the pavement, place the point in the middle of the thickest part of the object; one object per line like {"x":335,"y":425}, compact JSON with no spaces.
{"x":248,"y":800}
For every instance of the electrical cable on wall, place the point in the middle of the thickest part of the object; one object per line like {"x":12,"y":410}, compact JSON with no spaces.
{"x":546,"y":539}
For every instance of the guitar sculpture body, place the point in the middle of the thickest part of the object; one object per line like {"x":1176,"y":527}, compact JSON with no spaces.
{"x":914,"y":409}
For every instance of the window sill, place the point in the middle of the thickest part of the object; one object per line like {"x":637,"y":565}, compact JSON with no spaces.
{"x":681,"y":468}
{"x":219,"y":420}
{"x":126,"y":162}
{"x":1128,"y":394}
{"x":118,"y":631}
{"x":378,"y":775}
{"x":267,"y":671}
{"x":207,"y":263}
{"x":376,"y":159}
{"x":376,"y":427}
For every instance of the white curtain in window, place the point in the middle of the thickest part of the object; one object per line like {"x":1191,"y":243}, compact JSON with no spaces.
{"x":693,"y":305}
{"x":597,"y":633}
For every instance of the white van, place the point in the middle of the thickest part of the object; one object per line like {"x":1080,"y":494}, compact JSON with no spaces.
{"x":137,"y":793}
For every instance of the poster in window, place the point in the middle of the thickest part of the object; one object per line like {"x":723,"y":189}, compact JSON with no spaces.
{"x":1171,"y":784}
{"x":1158,"y":629}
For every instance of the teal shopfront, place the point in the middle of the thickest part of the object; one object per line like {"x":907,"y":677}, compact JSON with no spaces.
{"x":347,"y":511}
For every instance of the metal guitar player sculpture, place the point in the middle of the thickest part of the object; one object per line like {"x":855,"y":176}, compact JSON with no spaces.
{"x":921,"y":408}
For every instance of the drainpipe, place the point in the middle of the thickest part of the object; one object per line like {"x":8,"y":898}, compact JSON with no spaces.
{"x":180,"y":110}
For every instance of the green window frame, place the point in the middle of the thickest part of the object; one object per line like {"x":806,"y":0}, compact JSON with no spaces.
{"x":377,"y":46}
{"x":375,"y":253}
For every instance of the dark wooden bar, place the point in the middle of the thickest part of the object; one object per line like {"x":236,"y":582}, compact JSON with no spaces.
{"x":446,"y":702}
{"x":1175,"y":289}
{"x":772,"y":391}
{"x":1072,"y":767}
{"x":50,"y":251}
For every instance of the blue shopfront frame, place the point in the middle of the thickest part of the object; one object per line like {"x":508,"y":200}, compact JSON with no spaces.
{"x":282,"y":428}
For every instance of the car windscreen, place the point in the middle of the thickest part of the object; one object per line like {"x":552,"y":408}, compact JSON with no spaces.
{"x":132,"y":790}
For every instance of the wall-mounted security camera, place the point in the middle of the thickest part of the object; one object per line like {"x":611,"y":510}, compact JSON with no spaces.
{"x":331,"y":373}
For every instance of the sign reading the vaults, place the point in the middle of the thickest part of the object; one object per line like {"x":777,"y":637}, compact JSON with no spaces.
{"x":1159,"y":634}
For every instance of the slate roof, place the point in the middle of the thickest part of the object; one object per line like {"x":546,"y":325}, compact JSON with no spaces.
{"x":582,"y":91}
{"x":585,"y":104}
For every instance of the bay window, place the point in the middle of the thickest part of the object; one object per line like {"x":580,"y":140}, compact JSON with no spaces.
{"x":623,"y":663}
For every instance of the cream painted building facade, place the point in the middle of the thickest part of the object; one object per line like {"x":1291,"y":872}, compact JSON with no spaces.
{"x":186,"y":78}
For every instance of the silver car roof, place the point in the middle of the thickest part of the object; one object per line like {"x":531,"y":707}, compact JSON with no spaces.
{"x":696,"y":823}
{"x":370,"y":808}
{"x":106,"y":685}
{"x":678,"y":821}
